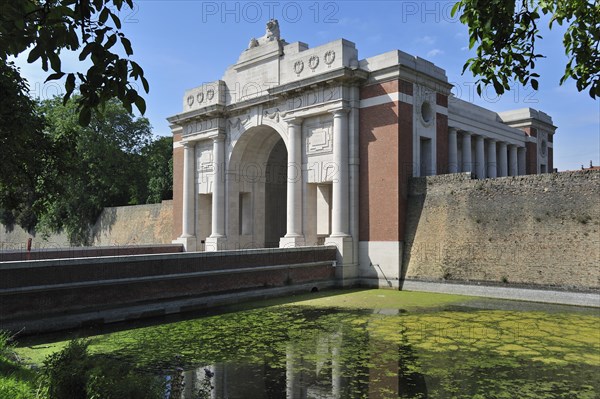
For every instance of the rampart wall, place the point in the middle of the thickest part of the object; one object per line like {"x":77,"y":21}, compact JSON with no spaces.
{"x":539,"y":230}
{"x":116,"y":226}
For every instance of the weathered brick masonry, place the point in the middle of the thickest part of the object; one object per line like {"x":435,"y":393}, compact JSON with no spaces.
{"x":62,"y":287}
{"x":538,"y":230}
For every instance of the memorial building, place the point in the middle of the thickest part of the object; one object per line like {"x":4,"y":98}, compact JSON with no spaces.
{"x":299,"y":146}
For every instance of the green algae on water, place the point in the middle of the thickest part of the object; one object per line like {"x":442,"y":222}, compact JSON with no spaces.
{"x":377,"y":343}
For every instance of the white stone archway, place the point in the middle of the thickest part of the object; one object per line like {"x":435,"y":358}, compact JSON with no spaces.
{"x":256,"y":189}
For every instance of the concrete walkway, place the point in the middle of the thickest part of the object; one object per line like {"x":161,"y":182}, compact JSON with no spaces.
{"x":520,"y":294}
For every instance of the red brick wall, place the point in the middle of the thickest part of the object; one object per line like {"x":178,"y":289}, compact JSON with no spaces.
{"x":386,"y":154}
{"x":378,"y":89}
{"x":177,"y":187}
{"x":405,"y":159}
{"x":531,"y":158}
{"x":441,"y":99}
{"x":393,"y":86}
{"x":531,"y":152}
{"x":441,"y":143}
{"x":378,"y":179}
{"x":125,"y":281}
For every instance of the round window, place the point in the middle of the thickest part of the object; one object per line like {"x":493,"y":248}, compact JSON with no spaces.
{"x":426,"y":112}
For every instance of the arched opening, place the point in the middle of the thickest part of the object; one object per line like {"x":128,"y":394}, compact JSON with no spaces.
{"x":257,"y":197}
{"x":276,"y":195}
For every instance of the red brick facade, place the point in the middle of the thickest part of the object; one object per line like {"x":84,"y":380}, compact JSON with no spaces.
{"x":441,"y":143}
{"x":386,"y":153}
{"x":531,"y":152}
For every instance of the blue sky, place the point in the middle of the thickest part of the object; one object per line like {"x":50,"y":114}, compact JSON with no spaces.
{"x":182,"y":44}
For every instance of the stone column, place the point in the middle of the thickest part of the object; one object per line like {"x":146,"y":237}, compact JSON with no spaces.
{"x":492,"y":167}
{"x":294,"y":182}
{"x":466,"y":152}
{"x":452,"y":151}
{"x":521,"y":160}
{"x":187,"y":225}
{"x":218,"y":199}
{"x":480,"y":157}
{"x":339,"y":225}
{"x":502,"y":160}
{"x":513,"y":168}
{"x":217,"y":239}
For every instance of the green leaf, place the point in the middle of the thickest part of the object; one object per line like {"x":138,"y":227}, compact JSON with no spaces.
{"x":69,"y":86}
{"x":116,"y":20}
{"x":145,"y":84}
{"x":127,"y":46}
{"x":103,"y":16}
{"x":55,"y":76}
{"x":534,"y":84}
{"x":34,"y":54}
{"x":86,"y":51}
{"x":140,"y":103}
{"x":112,"y":39}
{"x":54,"y":61}
{"x":498,"y":87}
{"x":85,"y":116}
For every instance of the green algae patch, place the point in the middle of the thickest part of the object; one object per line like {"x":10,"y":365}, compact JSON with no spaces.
{"x":380,"y":299}
{"x":375,"y":343}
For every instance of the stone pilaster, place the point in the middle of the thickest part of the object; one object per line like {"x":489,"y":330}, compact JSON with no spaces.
{"x":522,"y":161}
{"x":294,"y":235}
{"x":502,"y":160}
{"x":467,"y":164}
{"x":340,"y":195}
{"x":188,"y":238}
{"x":452,"y":151}
{"x":492,"y":167}
{"x":513,"y":167}
{"x":217,"y":239}
{"x":480,"y":157}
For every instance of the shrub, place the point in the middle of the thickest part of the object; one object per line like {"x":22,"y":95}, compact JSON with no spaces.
{"x":65,"y":372}
{"x":16,"y":381}
{"x":14,"y":388}
{"x":75,"y":374}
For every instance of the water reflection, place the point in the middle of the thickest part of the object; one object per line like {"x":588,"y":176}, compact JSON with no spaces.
{"x":317,"y":368}
{"x":303,"y":352}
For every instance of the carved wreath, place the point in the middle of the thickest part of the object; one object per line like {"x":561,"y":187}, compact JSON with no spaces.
{"x":210,"y":94}
{"x":313,"y":62}
{"x":329,"y":57}
{"x":299,"y":66}
{"x":190,"y":101}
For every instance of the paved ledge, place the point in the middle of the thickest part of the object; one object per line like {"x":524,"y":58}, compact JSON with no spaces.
{"x":520,"y":294}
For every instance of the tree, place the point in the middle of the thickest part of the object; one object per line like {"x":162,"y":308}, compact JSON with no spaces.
{"x":158,"y":156}
{"x":99,"y":165}
{"x":24,"y":147}
{"x":91,"y":27}
{"x":505,"y":33}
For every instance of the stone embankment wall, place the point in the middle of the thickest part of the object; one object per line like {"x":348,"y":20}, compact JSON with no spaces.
{"x":116,"y":226}
{"x":57,"y":294}
{"x":536,"y":230}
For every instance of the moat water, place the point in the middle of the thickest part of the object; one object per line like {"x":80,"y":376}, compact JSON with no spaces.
{"x":364,"y":344}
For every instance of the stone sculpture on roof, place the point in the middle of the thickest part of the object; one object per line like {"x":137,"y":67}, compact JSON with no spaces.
{"x":272,"y":34}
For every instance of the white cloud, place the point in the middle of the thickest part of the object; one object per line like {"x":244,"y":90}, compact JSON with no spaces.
{"x":434,"y":52}
{"x":426,"y":40}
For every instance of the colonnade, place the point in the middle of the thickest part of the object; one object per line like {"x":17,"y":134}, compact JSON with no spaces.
{"x":483,"y":156}
{"x":294,"y":233}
